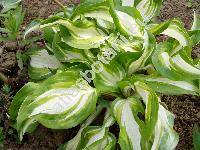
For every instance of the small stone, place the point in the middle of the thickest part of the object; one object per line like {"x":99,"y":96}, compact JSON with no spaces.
{"x":11,"y":45}
{"x":7,"y":61}
{"x":198,"y":115}
{"x":1,"y":50}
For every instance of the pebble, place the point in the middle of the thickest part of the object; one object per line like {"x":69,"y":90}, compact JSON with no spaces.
{"x":198,"y":115}
{"x":11,"y":45}
{"x":1,"y":50}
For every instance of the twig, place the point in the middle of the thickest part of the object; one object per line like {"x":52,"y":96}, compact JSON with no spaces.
{"x":61,"y":6}
{"x":3,"y":78}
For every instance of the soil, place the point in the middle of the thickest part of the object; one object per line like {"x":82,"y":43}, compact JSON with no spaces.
{"x":186,"y":108}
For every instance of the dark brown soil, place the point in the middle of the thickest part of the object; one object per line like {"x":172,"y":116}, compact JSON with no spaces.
{"x":187,"y":111}
{"x":185,"y":108}
{"x":42,"y":8}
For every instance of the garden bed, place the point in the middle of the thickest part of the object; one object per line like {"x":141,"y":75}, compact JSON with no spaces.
{"x":186,"y":108}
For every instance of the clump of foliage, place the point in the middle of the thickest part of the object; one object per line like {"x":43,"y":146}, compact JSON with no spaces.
{"x":196,"y":137}
{"x":102,"y":49}
{"x":1,"y":137}
{"x":11,"y":16}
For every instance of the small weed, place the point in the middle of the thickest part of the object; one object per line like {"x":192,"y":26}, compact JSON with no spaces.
{"x":196,"y":137}
{"x":1,"y":137}
{"x":6,"y":88}
{"x":189,"y":3}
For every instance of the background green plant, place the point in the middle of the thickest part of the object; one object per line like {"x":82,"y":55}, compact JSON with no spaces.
{"x":196,"y":137}
{"x":11,"y":19}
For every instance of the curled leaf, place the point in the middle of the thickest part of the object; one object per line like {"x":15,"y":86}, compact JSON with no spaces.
{"x":171,"y":87}
{"x":164,"y":135}
{"x":178,"y":32}
{"x":148,"y":48}
{"x":148,"y":8}
{"x":127,"y":20}
{"x":58,"y":103}
{"x":125,"y":112}
{"x":42,"y":64}
{"x":175,"y":67}
{"x":106,"y":80}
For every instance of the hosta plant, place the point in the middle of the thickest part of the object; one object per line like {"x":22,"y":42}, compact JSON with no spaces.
{"x":103,"y":54}
{"x":7,"y":5}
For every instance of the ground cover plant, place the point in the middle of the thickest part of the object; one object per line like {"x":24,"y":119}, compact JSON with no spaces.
{"x":196,"y":137}
{"x":112,"y":46}
{"x":11,"y":18}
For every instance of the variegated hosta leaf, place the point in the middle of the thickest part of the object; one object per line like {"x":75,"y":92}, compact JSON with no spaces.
{"x":100,"y":14}
{"x":161,"y":61}
{"x":148,"y":48}
{"x":195,"y":30}
{"x":106,"y":80}
{"x":184,"y":67}
{"x":37,"y":24}
{"x":89,"y":6}
{"x":93,"y":9}
{"x":174,"y":29}
{"x":198,"y":64}
{"x":65,"y":53}
{"x":42,"y":64}
{"x":84,"y":43}
{"x":177,"y":31}
{"x":127,"y":20}
{"x":127,"y":2}
{"x":157,"y":29}
{"x":98,"y":138}
{"x":126,"y":88}
{"x":34,"y":25}
{"x":105,"y":24}
{"x":59,"y":103}
{"x":127,"y":50}
{"x":170,"y":87}
{"x":173,"y":67}
{"x":150,"y":99}
{"x":165,"y":137}
{"x":75,"y":143}
{"x":98,"y":10}
{"x":8,"y":4}
{"x":93,"y":137}
{"x":125,"y":112}
{"x":123,"y":44}
{"x":148,"y":8}
{"x":82,"y":37}
{"x":196,"y":22}
{"x":195,"y":37}
{"x":19,"y":98}
{"x":131,"y":46}
{"x":125,"y":59}
{"x":159,"y":123}
{"x":49,"y":34}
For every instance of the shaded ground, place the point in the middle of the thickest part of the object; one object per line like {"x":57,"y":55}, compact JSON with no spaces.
{"x":185,"y":108}
{"x":187,"y":111}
